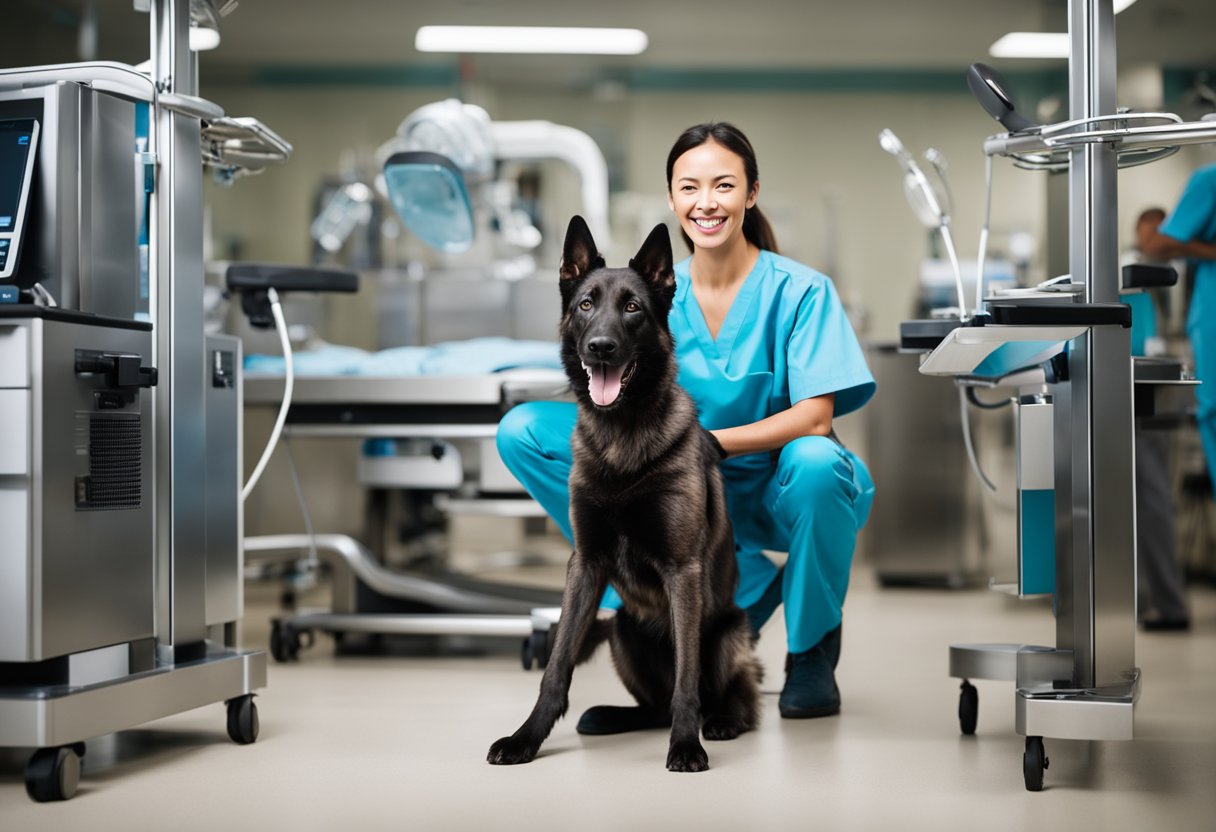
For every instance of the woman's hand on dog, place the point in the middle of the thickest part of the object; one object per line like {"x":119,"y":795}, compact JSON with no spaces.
{"x":717,"y":446}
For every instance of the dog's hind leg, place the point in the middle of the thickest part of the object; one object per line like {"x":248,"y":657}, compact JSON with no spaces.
{"x":684,"y":587}
{"x":584,"y":587}
{"x":644,"y":663}
{"x":731,"y":676}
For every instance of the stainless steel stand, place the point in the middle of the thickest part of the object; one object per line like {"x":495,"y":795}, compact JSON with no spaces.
{"x":69,"y":686}
{"x":455,"y":605}
{"x":1086,"y":686}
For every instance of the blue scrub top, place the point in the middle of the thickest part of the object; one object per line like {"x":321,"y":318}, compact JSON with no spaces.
{"x":785,"y":338}
{"x":1194,"y":218}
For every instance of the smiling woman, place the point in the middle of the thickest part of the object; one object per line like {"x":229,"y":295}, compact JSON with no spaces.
{"x":769,"y":358}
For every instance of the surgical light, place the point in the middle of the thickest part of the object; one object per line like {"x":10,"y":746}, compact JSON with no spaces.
{"x":536,"y":40}
{"x":428,"y":193}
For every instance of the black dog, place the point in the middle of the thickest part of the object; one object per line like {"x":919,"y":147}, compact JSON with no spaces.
{"x":649,"y":516}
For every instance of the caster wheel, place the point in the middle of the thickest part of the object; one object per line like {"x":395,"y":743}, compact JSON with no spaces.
{"x":52,"y":774}
{"x":242,"y":719}
{"x":536,"y":648}
{"x":968,"y":707}
{"x":284,"y":642}
{"x":1034,"y":763}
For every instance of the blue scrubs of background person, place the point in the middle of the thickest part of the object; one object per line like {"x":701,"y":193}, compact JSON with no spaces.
{"x":1190,"y":231}
{"x":1160,"y":579}
{"x":769,"y":357}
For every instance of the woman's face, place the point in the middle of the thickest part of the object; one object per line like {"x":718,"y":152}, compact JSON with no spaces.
{"x":709,"y":195}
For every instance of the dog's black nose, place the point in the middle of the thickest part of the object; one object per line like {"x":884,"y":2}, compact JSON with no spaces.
{"x":602,"y":346}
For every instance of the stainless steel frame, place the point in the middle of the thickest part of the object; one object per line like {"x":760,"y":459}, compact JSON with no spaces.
{"x":1086,"y":687}
{"x":471,"y":407}
{"x":177,"y":647}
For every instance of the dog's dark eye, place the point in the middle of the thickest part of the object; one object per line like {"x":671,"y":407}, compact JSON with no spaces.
{"x":585,"y":305}
{"x":632,"y":306}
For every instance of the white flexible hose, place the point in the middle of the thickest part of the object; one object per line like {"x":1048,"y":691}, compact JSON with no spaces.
{"x":979,"y":272}
{"x":971,"y":457}
{"x":285,"y":342}
{"x":948,"y":239}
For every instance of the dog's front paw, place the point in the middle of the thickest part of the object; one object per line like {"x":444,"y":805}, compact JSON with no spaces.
{"x":510,"y":751}
{"x":687,"y":756}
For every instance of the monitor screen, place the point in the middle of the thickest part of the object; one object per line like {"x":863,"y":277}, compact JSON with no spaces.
{"x":18,"y":143}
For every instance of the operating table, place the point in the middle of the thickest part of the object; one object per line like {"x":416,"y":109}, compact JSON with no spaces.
{"x":368,"y":597}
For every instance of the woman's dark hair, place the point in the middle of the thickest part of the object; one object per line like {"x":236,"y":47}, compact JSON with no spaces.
{"x":755,"y":226}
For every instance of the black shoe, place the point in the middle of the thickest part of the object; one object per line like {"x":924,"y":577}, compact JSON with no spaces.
{"x":615,"y":719}
{"x":1166,"y":624}
{"x":810,"y":685}
{"x":762,"y":610}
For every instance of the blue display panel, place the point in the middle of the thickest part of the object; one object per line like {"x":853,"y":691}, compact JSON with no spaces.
{"x":18,"y":150}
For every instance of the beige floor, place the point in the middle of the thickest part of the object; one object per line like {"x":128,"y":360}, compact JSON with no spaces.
{"x":399,"y":743}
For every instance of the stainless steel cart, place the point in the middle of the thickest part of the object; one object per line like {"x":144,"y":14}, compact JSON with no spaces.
{"x":1085,"y":686}
{"x":121,"y":565}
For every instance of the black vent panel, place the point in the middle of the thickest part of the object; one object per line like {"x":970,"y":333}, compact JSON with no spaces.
{"x":115,"y":463}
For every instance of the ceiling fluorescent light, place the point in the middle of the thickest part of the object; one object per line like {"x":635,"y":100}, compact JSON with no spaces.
{"x":203,"y":39}
{"x":1039,"y":44}
{"x":535,"y":40}
{"x":1031,"y":45}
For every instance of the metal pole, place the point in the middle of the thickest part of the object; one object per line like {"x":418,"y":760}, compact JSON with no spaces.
{"x":1097,"y":618}
{"x":176,"y":303}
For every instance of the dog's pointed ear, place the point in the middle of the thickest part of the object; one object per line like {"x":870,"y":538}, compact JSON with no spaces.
{"x":579,"y":255}
{"x":654,"y":262}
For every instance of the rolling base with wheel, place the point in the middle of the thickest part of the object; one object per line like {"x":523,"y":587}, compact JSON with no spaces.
{"x":373,"y":600}
{"x":57,"y":720}
{"x":290,"y":635}
{"x":1047,"y":705}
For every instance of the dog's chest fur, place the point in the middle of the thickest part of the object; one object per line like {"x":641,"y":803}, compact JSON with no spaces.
{"x":638,"y":488}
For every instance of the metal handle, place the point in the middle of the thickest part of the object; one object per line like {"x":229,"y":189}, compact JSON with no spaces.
{"x":190,"y":105}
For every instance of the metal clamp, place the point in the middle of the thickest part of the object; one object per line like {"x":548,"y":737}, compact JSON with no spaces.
{"x":1050,"y":147}
{"x":238,"y":146}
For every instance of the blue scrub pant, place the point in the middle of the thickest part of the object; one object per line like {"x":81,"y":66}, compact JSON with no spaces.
{"x":1201,"y":330}
{"x":811,"y":503}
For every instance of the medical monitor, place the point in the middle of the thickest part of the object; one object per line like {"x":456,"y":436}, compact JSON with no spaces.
{"x":18,"y":149}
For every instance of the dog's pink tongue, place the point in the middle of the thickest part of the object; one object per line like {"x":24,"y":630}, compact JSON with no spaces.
{"x":605,"y":383}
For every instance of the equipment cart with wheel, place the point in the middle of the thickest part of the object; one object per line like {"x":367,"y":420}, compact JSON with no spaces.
{"x":1076,"y":503}
{"x":121,"y":561}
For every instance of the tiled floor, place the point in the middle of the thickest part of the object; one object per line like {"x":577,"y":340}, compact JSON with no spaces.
{"x":393,"y":742}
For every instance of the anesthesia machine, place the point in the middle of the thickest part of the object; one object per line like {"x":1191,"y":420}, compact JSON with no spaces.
{"x":121,"y":567}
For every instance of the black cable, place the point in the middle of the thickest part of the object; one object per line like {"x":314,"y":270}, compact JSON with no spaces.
{"x":975,"y":400}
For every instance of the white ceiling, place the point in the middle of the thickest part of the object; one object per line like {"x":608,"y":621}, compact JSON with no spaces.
{"x":684,"y":34}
